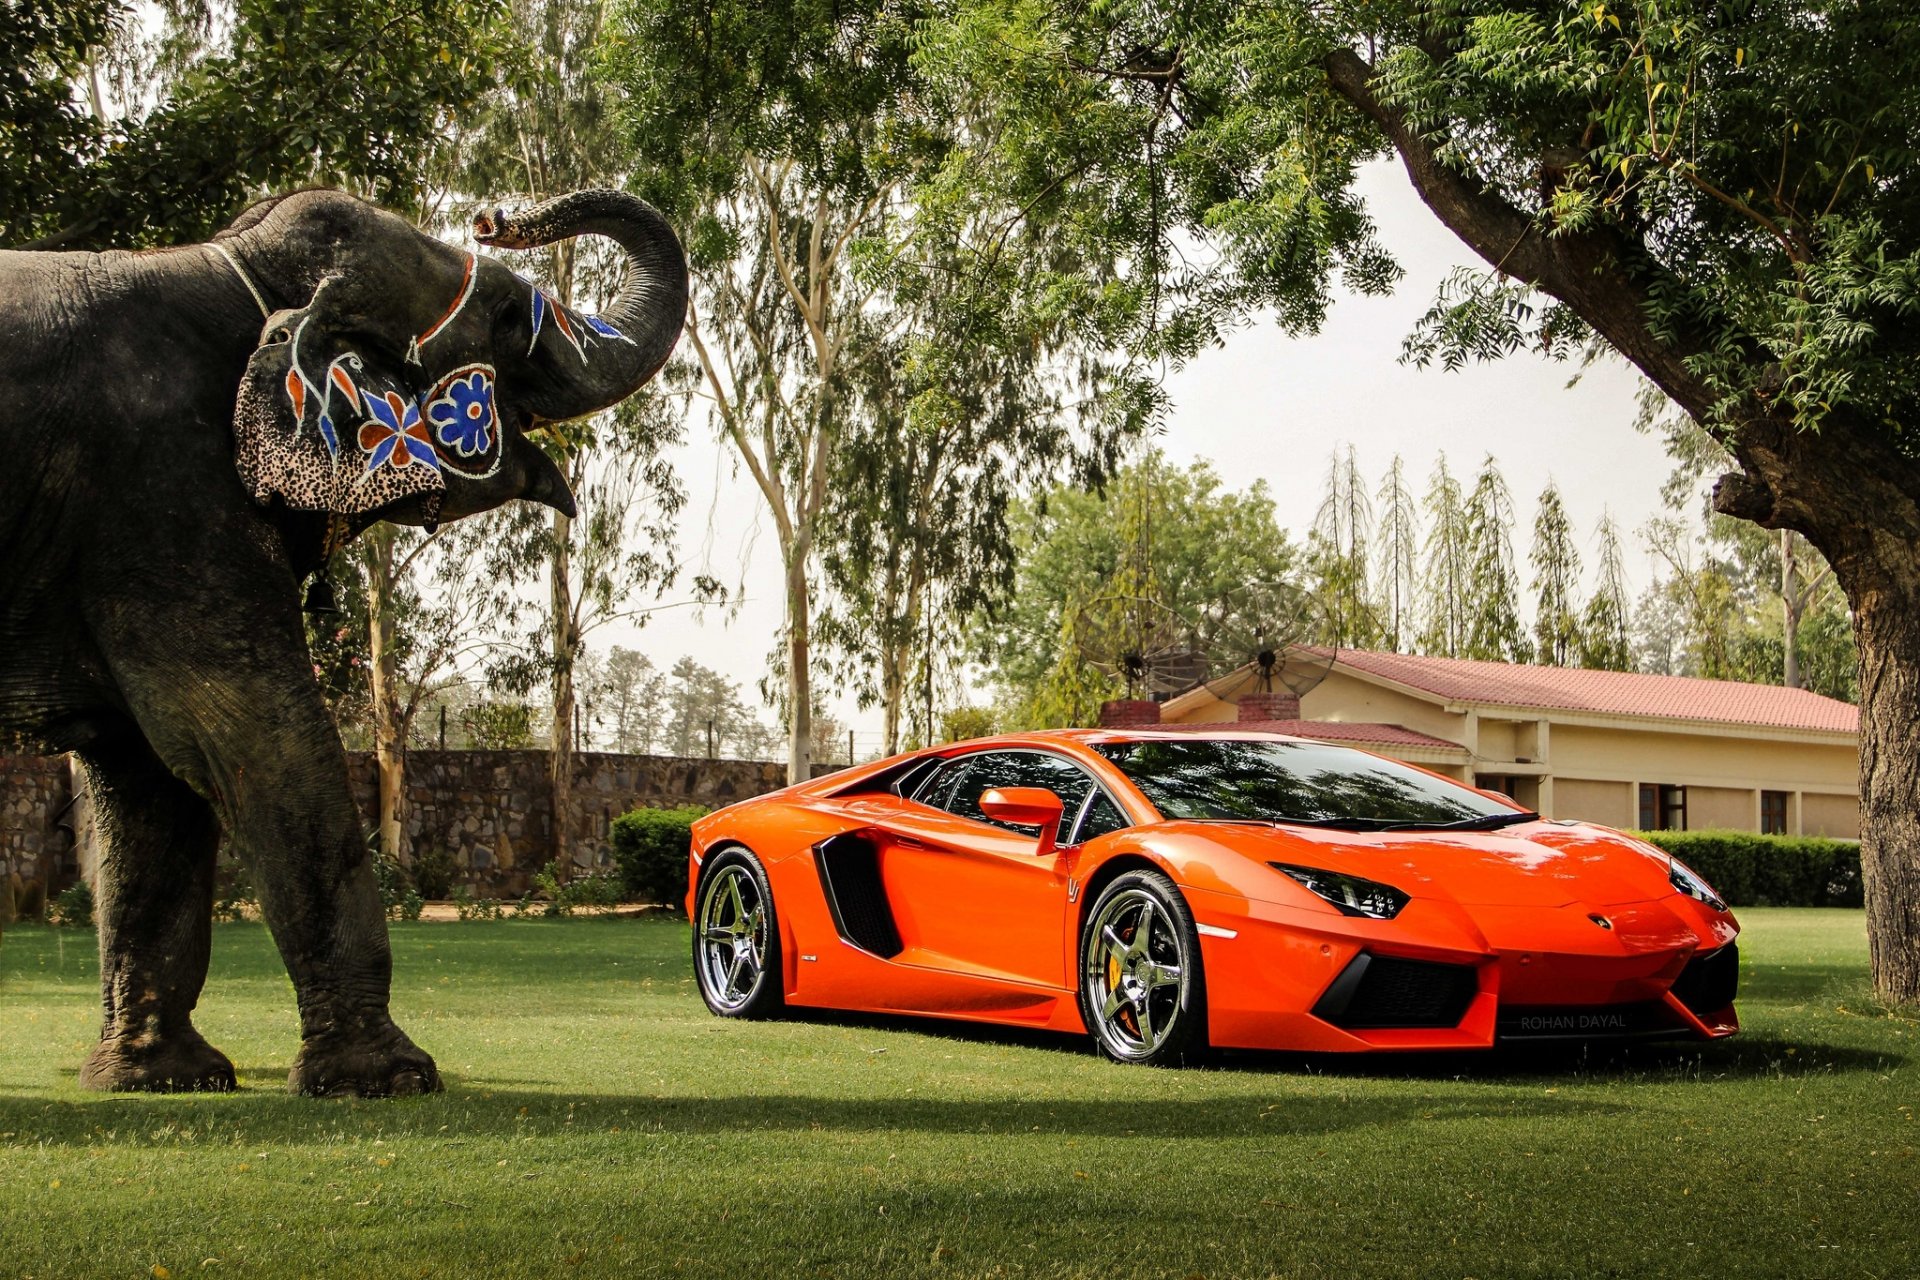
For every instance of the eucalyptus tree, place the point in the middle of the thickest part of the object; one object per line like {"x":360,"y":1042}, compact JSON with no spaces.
{"x":1605,"y":642}
{"x":1555,"y":560}
{"x":548,"y":126}
{"x":779,"y":138}
{"x":1720,"y":194}
{"x":1396,"y":580}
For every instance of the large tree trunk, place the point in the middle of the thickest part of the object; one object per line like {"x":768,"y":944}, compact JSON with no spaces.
{"x":1887,"y":624}
{"x":1857,"y":500}
{"x":383,"y":677}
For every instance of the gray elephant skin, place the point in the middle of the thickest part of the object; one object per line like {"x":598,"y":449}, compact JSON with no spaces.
{"x":188,"y":433}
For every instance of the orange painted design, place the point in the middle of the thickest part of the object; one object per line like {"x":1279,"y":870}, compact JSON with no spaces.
{"x":987,"y":931}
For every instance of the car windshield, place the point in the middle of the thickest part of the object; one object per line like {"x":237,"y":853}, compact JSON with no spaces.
{"x":1298,"y":782}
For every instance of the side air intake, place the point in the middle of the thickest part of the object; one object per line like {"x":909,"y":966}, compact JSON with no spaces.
{"x":850,"y":877}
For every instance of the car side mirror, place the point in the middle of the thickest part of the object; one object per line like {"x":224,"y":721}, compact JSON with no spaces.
{"x":1026,"y":807}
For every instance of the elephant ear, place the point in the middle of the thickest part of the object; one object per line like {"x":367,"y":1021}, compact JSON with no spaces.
{"x":327,"y":420}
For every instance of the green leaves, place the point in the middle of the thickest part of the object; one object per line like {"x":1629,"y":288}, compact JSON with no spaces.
{"x":350,"y":92}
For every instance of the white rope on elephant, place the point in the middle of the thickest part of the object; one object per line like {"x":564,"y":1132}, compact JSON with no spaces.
{"x":245,"y":279}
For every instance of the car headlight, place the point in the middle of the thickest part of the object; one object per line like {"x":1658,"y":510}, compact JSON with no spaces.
{"x":1352,"y":895}
{"x":1682,"y":877}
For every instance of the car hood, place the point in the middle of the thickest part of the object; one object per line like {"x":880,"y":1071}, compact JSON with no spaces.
{"x":1536,"y":864}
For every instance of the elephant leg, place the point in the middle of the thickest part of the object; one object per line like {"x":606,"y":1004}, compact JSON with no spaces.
{"x":293,"y":819}
{"x":223,"y":688}
{"x":155,"y":907}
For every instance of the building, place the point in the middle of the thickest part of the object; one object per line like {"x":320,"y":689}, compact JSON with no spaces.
{"x":1619,"y":748}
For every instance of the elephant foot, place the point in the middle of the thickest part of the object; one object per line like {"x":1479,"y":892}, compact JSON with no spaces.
{"x":181,"y":1062}
{"x":384,"y":1066}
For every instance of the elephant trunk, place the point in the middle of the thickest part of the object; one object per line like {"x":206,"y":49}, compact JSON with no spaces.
{"x":649,"y":311}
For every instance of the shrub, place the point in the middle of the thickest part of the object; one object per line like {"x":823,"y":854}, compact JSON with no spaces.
{"x":73,"y":905}
{"x":468,"y":907}
{"x":397,"y":894}
{"x":433,"y":872}
{"x":650,"y":848}
{"x":599,"y":890}
{"x":1751,"y":870}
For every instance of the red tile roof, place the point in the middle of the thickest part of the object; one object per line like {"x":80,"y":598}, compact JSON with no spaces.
{"x":1608,"y":692}
{"x":1324,"y":731}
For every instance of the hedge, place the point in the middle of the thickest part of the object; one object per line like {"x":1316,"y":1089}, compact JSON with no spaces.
{"x":1751,"y":870}
{"x":651,"y":848}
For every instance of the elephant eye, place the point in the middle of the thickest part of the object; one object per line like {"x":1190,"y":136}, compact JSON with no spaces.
{"x":280,"y":336}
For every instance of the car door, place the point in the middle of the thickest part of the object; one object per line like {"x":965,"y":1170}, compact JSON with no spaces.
{"x":971,"y":895}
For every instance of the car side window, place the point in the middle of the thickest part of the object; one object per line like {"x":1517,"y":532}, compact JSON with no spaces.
{"x":1102,"y":816}
{"x":991,"y":769}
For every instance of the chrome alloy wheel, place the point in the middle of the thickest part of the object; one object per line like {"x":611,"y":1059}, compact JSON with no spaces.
{"x":733,"y":937}
{"x":1134,"y":974}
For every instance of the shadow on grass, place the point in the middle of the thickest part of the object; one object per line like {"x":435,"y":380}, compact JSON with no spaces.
{"x":1678,"y":1060}
{"x":466,"y":1112}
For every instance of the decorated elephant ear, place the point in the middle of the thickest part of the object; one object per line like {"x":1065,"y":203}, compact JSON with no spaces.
{"x":326,"y":421}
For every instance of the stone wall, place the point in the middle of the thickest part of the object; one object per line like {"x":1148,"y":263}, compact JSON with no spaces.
{"x":491,"y":810}
{"x":36,"y":834}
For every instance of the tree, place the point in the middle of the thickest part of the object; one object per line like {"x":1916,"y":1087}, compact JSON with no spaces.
{"x":360,"y":91}
{"x":706,"y":716}
{"x":1397,"y":560}
{"x":1604,"y":641}
{"x":618,"y":548}
{"x":1556,"y":581}
{"x":1208,"y":568}
{"x":1697,"y":188}
{"x":1448,"y":572}
{"x":778,"y":137}
{"x":548,"y":127}
{"x":1494,"y":632}
{"x":629,"y":691}
{"x":1337,"y":549}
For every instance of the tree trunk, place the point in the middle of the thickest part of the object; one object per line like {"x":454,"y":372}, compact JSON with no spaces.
{"x":383,"y":677}
{"x":564,"y":651}
{"x":1887,"y":624}
{"x":799,"y":670}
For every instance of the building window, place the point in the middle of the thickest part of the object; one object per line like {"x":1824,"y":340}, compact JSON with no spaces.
{"x":1773,"y":813}
{"x":1663,"y":807}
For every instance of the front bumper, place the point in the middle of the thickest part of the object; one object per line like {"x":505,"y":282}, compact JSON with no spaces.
{"x":1443,"y":976}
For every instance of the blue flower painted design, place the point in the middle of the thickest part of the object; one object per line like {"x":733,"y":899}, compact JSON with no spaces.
{"x":394,"y":434}
{"x":462,"y":412}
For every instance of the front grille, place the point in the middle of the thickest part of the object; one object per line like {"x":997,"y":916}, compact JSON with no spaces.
{"x":1709,"y":982}
{"x":1587,"y":1022}
{"x":1377,"y":992}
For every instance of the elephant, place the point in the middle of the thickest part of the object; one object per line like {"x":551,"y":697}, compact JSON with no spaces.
{"x":189,"y":433}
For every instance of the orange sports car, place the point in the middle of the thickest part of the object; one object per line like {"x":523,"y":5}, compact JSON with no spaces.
{"x":1172,"y":891}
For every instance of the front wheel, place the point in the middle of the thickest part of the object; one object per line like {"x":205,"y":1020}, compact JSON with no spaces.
{"x":736,"y":939}
{"x":1142,"y":994}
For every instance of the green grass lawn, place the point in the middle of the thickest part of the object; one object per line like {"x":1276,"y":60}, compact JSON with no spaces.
{"x":597,"y":1121}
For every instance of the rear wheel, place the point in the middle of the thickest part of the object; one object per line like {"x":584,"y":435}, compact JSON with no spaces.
{"x":736,"y":939}
{"x":1142,"y":994}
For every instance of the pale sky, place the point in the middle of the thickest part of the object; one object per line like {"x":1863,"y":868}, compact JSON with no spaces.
{"x":1262,"y":406}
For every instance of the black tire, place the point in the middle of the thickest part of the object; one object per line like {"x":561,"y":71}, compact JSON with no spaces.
{"x":736,"y":938}
{"x":1135,"y":1011}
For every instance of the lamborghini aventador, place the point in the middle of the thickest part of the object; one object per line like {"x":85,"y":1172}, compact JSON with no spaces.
{"x":1168,"y":891}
